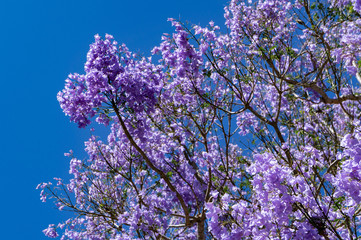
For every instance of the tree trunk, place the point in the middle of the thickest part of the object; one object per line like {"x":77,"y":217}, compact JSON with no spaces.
{"x":201,"y":234}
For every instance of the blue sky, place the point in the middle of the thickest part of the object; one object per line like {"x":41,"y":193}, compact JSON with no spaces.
{"x":41,"y":43}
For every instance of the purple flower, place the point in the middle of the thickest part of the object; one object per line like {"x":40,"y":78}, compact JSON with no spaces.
{"x":50,"y":231}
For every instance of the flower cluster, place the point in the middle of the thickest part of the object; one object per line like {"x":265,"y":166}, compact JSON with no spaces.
{"x":113,"y":77}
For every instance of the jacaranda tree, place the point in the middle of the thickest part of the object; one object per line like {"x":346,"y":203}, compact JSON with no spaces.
{"x":247,"y":132}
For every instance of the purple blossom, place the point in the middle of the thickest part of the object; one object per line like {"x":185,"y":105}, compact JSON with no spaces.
{"x":50,"y":231}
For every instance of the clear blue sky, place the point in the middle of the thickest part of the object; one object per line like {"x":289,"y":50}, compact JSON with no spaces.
{"x":41,"y":43}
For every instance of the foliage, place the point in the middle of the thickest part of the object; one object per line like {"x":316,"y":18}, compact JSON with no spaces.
{"x":252,"y":134}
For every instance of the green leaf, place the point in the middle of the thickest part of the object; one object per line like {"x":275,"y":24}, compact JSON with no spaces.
{"x":169,"y":174}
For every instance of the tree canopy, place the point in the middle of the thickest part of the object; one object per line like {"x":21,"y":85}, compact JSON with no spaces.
{"x":246,"y":132}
